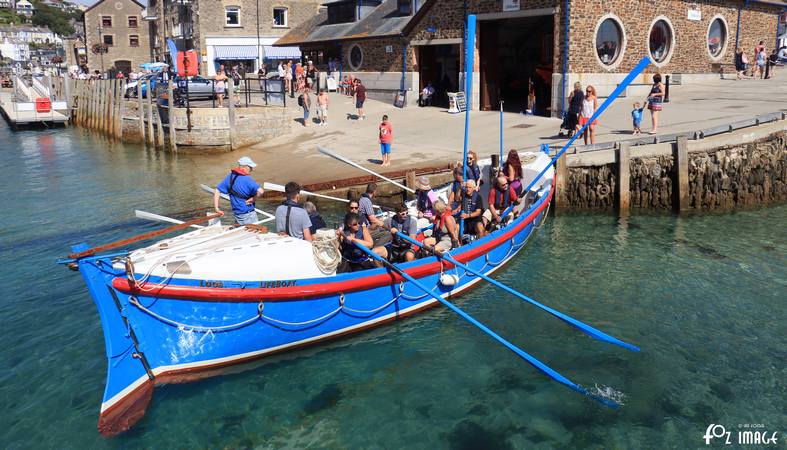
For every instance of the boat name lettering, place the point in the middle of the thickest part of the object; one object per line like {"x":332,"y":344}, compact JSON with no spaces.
{"x":206,"y":283}
{"x":277,"y":283}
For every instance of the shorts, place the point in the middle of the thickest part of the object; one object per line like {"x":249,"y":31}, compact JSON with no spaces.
{"x":636,"y":123}
{"x":471,"y":224}
{"x":236,"y":89}
{"x":385,"y":148}
{"x":322,"y":111}
{"x":584,"y":120}
{"x":305,"y":113}
{"x":488,"y":216}
{"x":444,"y":244}
{"x":359,"y":103}
{"x":397,"y":254}
{"x":246,"y":218}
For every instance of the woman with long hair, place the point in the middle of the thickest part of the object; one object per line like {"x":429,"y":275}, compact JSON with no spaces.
{"x":221,"y":86}
{"x":655,"y":99}
{"x":589,"y":107}
{"x":513,"y":171}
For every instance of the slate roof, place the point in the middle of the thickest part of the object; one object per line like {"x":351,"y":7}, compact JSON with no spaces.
{"x":383,"y":21}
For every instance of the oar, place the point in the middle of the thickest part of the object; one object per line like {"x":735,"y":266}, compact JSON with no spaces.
{"x":280,"y":188}
{"x":587,"y":329}
{"x":521,"y":353}
{"x":141,"y":237}
{"x":341,"y":158}
{"x":158,"y":218}
{"x":210,"y":190}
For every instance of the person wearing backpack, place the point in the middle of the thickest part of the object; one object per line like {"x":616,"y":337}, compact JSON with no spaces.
{"x":305,"y":102}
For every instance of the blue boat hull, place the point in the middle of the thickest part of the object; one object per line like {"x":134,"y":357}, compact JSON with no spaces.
{"x":181,"y":330}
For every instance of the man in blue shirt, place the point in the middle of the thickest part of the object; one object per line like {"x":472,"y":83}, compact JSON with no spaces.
{"x":242,"y":190}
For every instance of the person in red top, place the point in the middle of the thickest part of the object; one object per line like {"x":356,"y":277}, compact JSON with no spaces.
{"x":360,"y":98}
{"x":386,"y":137}
{"x":500,"y":198}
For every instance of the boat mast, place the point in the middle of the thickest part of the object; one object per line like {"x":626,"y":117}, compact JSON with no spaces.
{"x":469,"y":54}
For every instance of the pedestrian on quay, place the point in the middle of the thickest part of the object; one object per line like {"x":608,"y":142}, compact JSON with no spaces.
{"x":589,"y":107}
{"x":740,"y":64}
{"x":287,"y":71}
{"x":322,"y":107}
{"x":574,"y":108}
{"x":360,"y":98}
{"x":305,"y":102}
{"x":386,"y":138}
{"x":655,"y":99}
{"x":220,"y":86}
{"x":294,"y":79}
{"x":636,"y":118}
{"x":762,"y":59}
{"x":242,"y":190}
{"x":236,"y":86}
{"x":756,"y":68}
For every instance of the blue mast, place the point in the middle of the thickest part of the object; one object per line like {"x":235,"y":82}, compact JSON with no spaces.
{"x":469,"y":54}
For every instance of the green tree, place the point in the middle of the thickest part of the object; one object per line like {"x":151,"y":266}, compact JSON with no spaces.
{"x":54,"y":18}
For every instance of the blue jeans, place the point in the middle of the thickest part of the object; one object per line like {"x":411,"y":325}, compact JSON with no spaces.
{"x":246,"y":218}
{"x":305,"y":115}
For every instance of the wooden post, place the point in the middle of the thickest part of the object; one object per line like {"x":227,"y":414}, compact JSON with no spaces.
{"x":69,"y":100}
{"x":110,"y":125}
{"x":92,"y":109}
{"x":561,"y":199}
{"x":151,"y":136}
{"x":78,"y":100}
{"x":231,"y":85}
{"x":141,"y":112}
{"x":624,"y":177}
{"x":173,"y":146}
{"x":159,"y":128}
{"x":101,"y":113}
{"x":410,"y":182}
{"x":681,"y":163}
{"x":121,"y":109}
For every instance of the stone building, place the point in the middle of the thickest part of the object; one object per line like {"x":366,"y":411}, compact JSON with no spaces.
{"x":546,"y":44}
{"x":118,"y":26}
{"x":228,"y":32}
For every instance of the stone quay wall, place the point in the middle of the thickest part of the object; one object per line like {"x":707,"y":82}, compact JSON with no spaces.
{"x":739,"y":169}
{"x":216,"y":129}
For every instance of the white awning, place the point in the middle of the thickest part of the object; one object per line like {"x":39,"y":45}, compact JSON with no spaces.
{"x":272,"y":52}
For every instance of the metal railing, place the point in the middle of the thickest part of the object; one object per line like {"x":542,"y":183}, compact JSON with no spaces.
{"x":251,"y":92}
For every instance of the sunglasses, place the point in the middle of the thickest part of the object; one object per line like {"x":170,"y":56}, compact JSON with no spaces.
{"x":354,"y":207}
{"x":354,"y":224}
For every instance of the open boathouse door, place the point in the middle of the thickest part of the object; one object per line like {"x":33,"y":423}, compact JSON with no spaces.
{"x":516,"y":49}
{"x":439,"y":65}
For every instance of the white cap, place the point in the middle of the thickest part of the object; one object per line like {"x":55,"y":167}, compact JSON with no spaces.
{"x":246,"y":161}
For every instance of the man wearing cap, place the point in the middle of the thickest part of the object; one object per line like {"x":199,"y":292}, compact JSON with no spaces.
{"x":242,"y":190}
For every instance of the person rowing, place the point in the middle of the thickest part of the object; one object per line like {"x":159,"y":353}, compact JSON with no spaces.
{"x":445,"y":234}
{"x":500,"y":198}
{"x":368,"y":218}
{"x":242,"y":190}
{"x":473,"y":208}
{"x":401,"y":250}
{"x":354,"y":259}
{"x":291,"y":218}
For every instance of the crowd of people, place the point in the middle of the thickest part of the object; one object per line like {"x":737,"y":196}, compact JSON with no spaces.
{"x":361,"y":224}
{"x":762,"y":62}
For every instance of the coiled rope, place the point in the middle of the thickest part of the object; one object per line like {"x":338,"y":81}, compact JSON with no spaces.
{"x":326,"y":253}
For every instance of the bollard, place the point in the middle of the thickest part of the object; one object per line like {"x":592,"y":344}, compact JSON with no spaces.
{"x":666,"y":89}
{"x":767,"y":68}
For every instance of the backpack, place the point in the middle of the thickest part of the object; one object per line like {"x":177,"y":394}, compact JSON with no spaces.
{"x":300,"y":100}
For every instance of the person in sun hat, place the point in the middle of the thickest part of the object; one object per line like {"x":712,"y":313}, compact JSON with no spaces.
{"x":242,"y":190}
{"x":425,"y":198}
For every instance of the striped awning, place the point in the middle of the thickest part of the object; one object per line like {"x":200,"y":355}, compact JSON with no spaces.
{"x":272,"y":52}
{"x":235,"y":52}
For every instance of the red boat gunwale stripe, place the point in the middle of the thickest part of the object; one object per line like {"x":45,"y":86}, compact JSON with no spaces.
{"x":253,"y":295}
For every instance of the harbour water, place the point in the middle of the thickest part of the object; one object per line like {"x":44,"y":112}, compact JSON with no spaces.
{"x":703,"y":295}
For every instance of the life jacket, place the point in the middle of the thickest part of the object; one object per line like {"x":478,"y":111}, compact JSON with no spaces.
{"x":424,"y":203}
{"x":474,"y":172}
{"x":439,"y":222}
{"x":502,"y":199}
{"x":350,"y":252}
{"x":456,"y":189}
{"x":404,"y":228}
{"x":234,"y":174}
{"x":289,"y":204}
{"x":470,"y":204}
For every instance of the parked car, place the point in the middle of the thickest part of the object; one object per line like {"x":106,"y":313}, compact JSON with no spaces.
{"x":131,"y":87}
{"x":198,"y":87}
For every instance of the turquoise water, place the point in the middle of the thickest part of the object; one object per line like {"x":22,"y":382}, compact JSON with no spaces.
{"x":704,"y":296}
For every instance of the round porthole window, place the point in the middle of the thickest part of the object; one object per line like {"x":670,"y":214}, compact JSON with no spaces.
{"x":356,"y":57}
{"x":660,"y":41}
{"x":609,"y":40}
{"x":717,"y":37}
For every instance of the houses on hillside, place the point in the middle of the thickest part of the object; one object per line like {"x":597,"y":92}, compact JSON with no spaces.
{"x":30,"y":34}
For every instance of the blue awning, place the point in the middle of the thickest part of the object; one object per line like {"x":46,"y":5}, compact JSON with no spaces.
{"x":235,"y":52}
{"x":272,"y":52}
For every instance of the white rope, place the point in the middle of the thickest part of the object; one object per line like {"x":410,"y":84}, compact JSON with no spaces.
{"x":326,"y":253}
{"x":308,"y":322}
{"x":184,"y":326}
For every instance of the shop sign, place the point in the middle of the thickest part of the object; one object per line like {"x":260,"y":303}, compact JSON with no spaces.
{"x":695,"y":14}
{"x":510,"y":5}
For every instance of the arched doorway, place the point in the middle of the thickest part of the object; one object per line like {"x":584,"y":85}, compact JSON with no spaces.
{"x":123,"y":65}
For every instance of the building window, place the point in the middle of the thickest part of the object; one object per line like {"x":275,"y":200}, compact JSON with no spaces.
{"x":109,"y":40}
{"x":609,"y":40}
{"x":279,"y":17}
{"x":232,"y":15}
{"x":341,"y":12}
{"x":355,"y":57}
{"x":660,"y":41}
{"x":133,"y":40}
{"x":106,"y":21}
{"x":132,"y":22}
{"x":404,"y":7}
{"x":717,"y":37}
